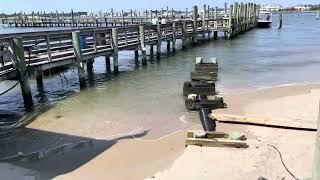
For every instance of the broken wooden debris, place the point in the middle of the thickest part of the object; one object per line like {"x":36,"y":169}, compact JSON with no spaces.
{"x":196,"y":102}
{"x":199,"y":87}
{"x":213,"y":139}
{"x":203,"y":76}
{"x":206,"y":66}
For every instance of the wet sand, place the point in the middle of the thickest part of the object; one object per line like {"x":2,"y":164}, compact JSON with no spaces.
{"x":132,"y":155}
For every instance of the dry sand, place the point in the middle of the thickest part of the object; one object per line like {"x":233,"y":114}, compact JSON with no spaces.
{"x":296,"y":106}
{"x":123,"y":158}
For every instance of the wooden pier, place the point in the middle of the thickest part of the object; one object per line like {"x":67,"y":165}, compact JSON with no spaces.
{"x":24,"y":54}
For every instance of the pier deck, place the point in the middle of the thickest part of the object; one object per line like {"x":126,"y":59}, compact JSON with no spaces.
{"x":35,"y":52}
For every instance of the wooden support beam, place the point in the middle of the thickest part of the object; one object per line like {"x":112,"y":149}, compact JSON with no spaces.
{"x":204,"y":20}
{"x":159,"y":35}
{"x":48,"y":47}
{"x":230,"y":25}
{"x":136,"y":56}
{"x":115,"y":50}
{"x":195,"y":24}
{"x":151,"y":51}
{"x":184,"y":34}
{"x":216,"y":142}
{"x":225,"y":8}
{"x":112,"y":18}
{"x":16,"y":48}
{"x":143,"y":45}
{"x":203,"y":76}
{"x":79,"y":59}
{"x":174,"y":28}
{"x":131,"y":16}
{"x":108,"y":66}
{"x":39,"y":79}
{"x":122,"y":18}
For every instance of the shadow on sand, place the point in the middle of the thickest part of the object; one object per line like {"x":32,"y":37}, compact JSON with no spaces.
{"x":47,"y":154}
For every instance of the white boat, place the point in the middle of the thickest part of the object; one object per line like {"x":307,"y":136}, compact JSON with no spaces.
{"x":265,"y":19}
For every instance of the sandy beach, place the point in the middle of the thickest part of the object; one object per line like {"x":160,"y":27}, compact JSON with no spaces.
{"x":130,"y":156}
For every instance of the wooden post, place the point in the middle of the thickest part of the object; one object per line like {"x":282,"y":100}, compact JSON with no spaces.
{"x":90,"y":65}
{"x":230,"y":21}
{"x":32,"y":19}
{"x":159,"y":34}
{"x":16,"y":48}
{"x":151,"y":51}
{"x":151,"y":16}
{"x":242,"y":17}
{"x":186,"y":13}
{"x":112,"y":17}
{"x":143,"y":45}
{"x":39,"y":78}
{"x":48,"y":47}
{"x":225,"y":8}
{"x":63,"y":19}
{"x":108,"y":66}
{"x":79,"y":59}
{"x":174,"y":27}
{"x":280,"y":21}
{"x":204,"y":21}
{"x":172,"y":14}
{"x":58,"y":18}
{"x":122,"y":17}
{"x":115,"y":50}
{"x":246,"y":7}
{"x":136,"y":56}
{"x":235,"y":14}
{"x":215,"y":32}
{"x":316,"y":157}
{"x":72,"y":17}
{"x":131,"y":16}
{"x":168,"y":46}
{"x":184,"y":34}
{"x":195,"y":24}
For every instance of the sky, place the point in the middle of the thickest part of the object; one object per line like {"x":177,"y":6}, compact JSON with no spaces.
{"x":10,"y":6}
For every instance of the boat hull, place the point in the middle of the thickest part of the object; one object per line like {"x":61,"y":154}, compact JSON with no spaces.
{"x":264,"y":24}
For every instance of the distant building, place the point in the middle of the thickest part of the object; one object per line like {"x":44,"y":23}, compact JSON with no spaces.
{"x":270,"y":7}
{"x":305,"y":7}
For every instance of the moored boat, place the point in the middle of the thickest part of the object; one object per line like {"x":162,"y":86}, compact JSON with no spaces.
{"x":265,"y":19}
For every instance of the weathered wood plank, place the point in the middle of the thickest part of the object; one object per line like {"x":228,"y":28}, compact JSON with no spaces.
{"x":216,"y":142}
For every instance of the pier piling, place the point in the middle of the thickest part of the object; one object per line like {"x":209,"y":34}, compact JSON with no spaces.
{"x":143,"y":45}
{"x":108,"y":66}
{"x":115,"y":50}
{"x":16,"y":48}
{"x":79,"y":58}
{"x":39,"y":79}
{"x":159,"y":35}
{"x":195,"y":24}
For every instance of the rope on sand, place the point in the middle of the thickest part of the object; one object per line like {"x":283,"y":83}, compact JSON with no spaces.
{"x":138,"y":129}
{"x":274,"y":147}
